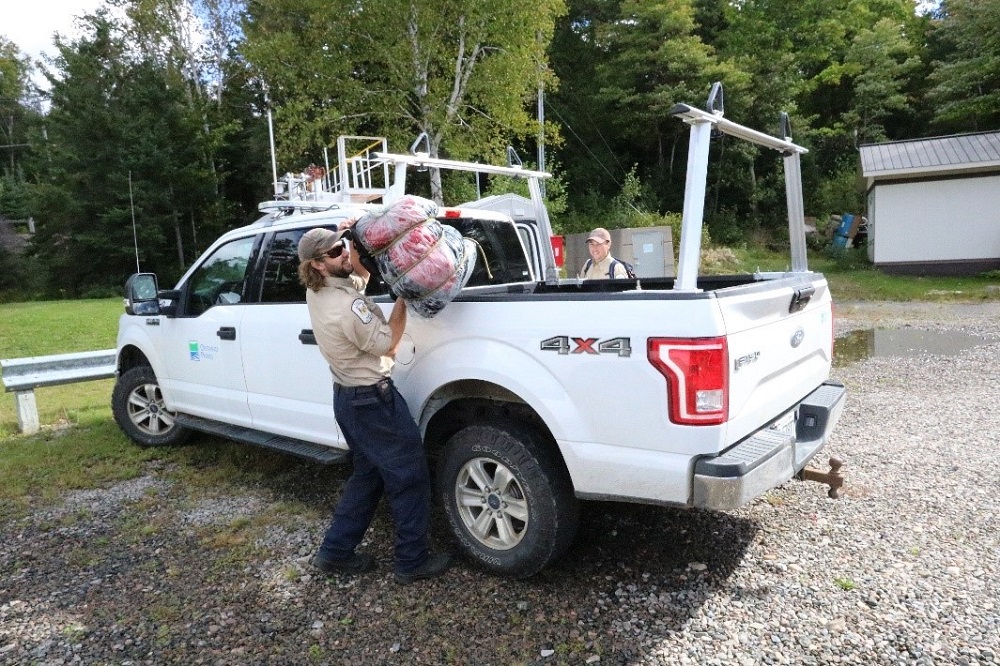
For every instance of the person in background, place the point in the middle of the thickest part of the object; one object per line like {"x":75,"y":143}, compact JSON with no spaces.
{"x":387,"y":451}
{"x":601,"y":265}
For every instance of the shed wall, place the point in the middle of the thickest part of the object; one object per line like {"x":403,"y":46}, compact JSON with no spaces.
{"x":935,"y":221}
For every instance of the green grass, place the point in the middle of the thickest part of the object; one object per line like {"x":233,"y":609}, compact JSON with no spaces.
{"x":851,"y":278}
{"x":41,"y":467}
{"x":79,"y":445}
{"x":845,"y":584}
{"x":58,"y":327}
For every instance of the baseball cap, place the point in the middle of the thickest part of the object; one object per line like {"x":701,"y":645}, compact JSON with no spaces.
{"x":317,"y":241}
{"x":600,"y":234}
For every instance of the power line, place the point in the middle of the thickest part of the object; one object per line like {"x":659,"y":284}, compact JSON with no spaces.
{"x":584,"y":144}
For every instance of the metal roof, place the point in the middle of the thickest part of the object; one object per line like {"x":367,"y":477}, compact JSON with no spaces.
{"x":937,"y":155}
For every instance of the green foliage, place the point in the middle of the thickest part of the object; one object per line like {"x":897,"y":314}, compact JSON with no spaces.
{"x":727,"y":227}
{"x":845,"y":584}
{"x":841,"y":192}
{"x":135,"y":97}
{"x":459,"y":71}
{"x":966,"y":80}
{"x":847,"y":259}
{"x":123,"y":144}
{"x":11,"y":272}
{"x":879,"y":60}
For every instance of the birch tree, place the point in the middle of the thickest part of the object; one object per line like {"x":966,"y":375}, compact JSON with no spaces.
{"x":462,"y":71}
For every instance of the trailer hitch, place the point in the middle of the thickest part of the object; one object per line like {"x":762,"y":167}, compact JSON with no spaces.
{"x":833,"y":478}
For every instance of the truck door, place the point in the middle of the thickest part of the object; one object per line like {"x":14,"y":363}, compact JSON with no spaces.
{"x":289,"y":384}
{"x":204,"y":365}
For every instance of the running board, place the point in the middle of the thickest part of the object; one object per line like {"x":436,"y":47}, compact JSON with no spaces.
{"x":296,"y":447}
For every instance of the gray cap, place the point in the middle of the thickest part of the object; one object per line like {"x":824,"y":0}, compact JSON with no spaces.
{"x":315,"y":242}
{"x":600,"y":235}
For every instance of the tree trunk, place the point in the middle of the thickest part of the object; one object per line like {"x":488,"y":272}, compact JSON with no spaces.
{"x":180,"y":241}
{"x":437,"y":189}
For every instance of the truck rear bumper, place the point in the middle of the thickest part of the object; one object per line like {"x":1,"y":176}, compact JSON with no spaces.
{"x":770,"y":456}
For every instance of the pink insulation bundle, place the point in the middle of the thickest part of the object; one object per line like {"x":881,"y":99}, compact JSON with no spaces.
{"x":381,"y":228}
{"x":422,"y":260}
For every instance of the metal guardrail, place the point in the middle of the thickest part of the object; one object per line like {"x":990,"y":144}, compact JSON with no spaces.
{"x":24,"y":375}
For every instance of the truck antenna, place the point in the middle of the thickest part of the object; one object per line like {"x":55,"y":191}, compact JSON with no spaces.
{"x":274,"y":157}
{"x":135,"y":236}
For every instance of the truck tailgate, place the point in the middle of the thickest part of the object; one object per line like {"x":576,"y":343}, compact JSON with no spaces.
{"x":780,"y":343}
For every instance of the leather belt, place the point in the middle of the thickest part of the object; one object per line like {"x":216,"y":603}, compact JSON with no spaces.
{"x":382,"y":387}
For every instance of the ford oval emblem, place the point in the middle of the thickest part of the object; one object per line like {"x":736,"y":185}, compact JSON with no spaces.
{"x":797,"y":337}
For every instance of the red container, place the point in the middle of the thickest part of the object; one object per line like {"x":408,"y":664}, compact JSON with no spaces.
{"x":559,"y":250}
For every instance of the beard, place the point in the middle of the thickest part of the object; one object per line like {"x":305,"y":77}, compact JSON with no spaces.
{"x":341,"y":272}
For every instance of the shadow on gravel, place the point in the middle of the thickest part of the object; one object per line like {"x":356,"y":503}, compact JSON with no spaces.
{"x":132,"y":583}
{"x":592,"y":601}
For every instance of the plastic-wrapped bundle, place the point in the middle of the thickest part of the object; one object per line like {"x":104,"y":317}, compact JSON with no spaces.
{"x":422,"y":261}
{"x":381,"y":228}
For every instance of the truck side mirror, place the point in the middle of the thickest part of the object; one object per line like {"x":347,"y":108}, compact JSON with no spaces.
{"x":143,"y":296}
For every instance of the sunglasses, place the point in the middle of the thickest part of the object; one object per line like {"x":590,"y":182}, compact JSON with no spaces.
{"x":334,"y":251}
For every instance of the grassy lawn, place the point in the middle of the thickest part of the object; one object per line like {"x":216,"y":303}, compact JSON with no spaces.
{"x":851,"y":278}
{"x":79,"y":445}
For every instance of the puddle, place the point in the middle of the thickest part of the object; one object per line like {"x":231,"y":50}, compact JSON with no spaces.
{"x":859,"y":345}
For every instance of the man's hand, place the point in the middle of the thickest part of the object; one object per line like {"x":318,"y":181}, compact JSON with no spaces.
{"x":397,"y":324}
{"x":359,"y":268}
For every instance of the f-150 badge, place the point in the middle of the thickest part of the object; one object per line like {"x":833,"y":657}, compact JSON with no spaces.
{"x":745,"y":360}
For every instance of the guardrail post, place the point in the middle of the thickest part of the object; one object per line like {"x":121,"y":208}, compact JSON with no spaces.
{"x":23,"y":375}
{"x":27,"y":411}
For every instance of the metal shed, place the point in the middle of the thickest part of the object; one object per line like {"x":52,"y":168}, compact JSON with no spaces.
{"x":934,"y":204}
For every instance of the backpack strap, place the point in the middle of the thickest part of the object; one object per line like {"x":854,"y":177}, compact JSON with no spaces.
{"x":586,"y":266}
{"x":611,"y":268}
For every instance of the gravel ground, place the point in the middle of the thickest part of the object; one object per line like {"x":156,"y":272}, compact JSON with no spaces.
{"x":903,"y":569}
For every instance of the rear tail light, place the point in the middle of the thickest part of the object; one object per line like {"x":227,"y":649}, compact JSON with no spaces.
{"x":697,"y":373}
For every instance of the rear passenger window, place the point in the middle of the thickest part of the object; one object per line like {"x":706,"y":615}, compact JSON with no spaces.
{"x":500,"y":257}
{"x":281,"y":270}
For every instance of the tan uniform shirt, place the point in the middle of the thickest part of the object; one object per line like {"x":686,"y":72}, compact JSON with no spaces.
{"x":351,"y":331}
{"x":599,"y":270}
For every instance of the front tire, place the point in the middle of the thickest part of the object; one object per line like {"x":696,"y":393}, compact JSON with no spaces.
{"x":508,"y":499}
{"x":137,"y":405}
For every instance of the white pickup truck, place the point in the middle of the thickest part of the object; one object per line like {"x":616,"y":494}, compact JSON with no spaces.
{"x":532,"y":392}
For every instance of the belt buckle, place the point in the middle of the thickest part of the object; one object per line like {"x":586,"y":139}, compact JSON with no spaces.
{"x":382,"y":387}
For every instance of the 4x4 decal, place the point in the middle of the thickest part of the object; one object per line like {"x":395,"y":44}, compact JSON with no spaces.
{"x":561,"y":345}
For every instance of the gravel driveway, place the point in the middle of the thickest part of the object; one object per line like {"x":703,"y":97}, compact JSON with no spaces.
{"x":903,"y":569}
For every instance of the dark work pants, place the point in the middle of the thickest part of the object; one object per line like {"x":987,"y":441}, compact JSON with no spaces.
{"x":388,"y":456}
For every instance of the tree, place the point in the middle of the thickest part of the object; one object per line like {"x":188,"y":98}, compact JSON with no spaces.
{"x":966,"y":81}
{"x":119,"y":131}
{"x":880,"y":60}
{"x":18,"y":117}
{"x":461,"y":71}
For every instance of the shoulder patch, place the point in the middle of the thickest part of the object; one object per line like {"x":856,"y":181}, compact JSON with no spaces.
{"x":360,"y":308}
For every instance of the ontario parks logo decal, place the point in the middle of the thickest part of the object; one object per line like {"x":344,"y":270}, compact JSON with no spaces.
{"x":200,"y":352}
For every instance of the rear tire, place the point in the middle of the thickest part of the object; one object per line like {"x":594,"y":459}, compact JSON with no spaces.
{"x":508,"y":499}
{"x":137,"y":405}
